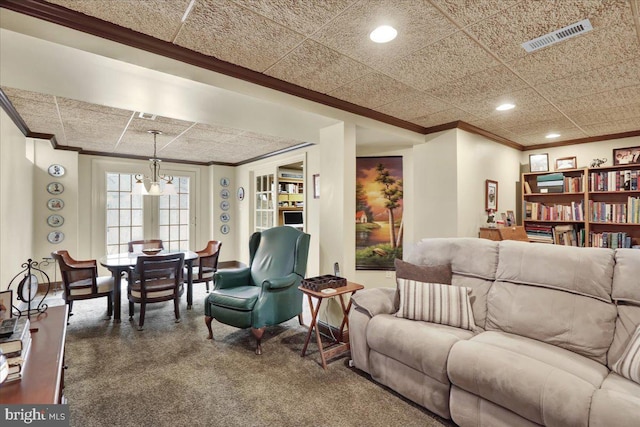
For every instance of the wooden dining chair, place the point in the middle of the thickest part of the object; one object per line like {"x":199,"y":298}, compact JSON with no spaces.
{"x":207,"y":263}
{"x":138,"y":245}
{"x":81,"y":280}
{"x":156,"y":278}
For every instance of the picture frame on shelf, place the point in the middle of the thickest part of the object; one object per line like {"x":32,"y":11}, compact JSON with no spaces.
{"x":566,"y":163}
{"x":626,"y":156}
{"x":511,"y":218}
{"x":316,"y":186}
{"x":539,"y":162}
{"x":6,"y":302}
{"x":490,"y":195}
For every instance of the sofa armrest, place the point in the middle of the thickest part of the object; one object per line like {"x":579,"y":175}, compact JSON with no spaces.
{"x":280,"y":282}
{"x":231,"y":278}
{"x":376,"y":301}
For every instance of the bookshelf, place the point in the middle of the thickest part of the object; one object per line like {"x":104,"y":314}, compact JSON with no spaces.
{"x":583,"y":207}
{"x":290,"y":196}
{"x":614,"y":205}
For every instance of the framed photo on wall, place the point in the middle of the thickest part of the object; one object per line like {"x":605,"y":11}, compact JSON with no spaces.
{"x":565,"y":163}
{"x":490,"y":195}
{"x":539,"y":162}
{"x":626,"y":156}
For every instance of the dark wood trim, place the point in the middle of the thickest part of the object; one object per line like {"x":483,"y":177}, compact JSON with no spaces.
{"x":584,"y":140}
{"x":130,"y":156}
{"x":90,"y":25}
{"x":492,"y":136}
{"x":275,"y":153}
{"x":440,"y":128}
{"x":13,"y":114}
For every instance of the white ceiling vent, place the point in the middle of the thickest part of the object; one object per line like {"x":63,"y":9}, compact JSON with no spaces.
{"x":146,"y":116}
{"x":558,"y":35}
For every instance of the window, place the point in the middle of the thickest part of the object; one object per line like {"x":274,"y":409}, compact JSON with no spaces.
{"x":138,"y":217}
{"x":174,"y":216}
{"x":264,"y":210}
{"x":124,"y":213}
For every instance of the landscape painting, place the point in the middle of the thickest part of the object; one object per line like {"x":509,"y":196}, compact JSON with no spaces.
{"x":379,"y":208}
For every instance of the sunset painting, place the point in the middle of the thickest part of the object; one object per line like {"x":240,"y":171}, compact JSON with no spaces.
{"x":379,"y":207}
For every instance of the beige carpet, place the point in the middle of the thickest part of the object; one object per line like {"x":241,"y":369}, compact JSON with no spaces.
{"x":170,"y":375}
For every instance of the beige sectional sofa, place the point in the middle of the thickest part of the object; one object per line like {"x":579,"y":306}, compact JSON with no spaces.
{"x":550,"y":322}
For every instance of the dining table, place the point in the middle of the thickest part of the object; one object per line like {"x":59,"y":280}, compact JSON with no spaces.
{"x":119,"y":263}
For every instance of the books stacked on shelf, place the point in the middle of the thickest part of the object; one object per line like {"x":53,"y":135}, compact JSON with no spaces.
{"x":550,"y":183}
{"x":539,"y":233}
{"x":536,"y":211}
{"x":567,"y":235}
{"x":610,"y":240}
{"x":620,"y":180}
{"x":622,"y":213}
{"x":16,"y":349}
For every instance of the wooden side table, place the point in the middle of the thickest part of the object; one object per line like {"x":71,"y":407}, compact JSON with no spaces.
{"x":338,"y":347}
{"x":504,"y":233}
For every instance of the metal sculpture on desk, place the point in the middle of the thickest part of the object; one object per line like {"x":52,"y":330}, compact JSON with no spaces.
{"x":28,"y":289}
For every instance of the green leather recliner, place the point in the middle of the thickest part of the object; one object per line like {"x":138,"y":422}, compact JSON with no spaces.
{"x":266,"y":292}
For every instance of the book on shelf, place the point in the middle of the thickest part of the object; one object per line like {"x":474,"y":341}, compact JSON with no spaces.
{"x":610,"y":240}
{"x":620,"y":180}
{"x":622,"y":213}
{"x":527,"y":188}
{"x":557,"y":176}
{"x":566,"y":235}
{"x":540,"y":233}
{"x":16,"y":341}
{"x":536,"y":211}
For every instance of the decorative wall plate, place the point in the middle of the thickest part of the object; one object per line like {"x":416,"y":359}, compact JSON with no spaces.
{"x":241,"y":193}
{"x":224,"y":182}
{"x":55,"y":188}
{"x":224,"y":229}
{"x":224,"y":205}
{"x":55,"y":220}
{"x":225,"y":217}
{"x":224,"y":193}
{"x":55,"y":204}
{"x":56,"y":170}
{"x":55,"y":237}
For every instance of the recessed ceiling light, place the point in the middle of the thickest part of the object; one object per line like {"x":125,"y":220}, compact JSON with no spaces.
{"x":383,"y":34}
{"x":552,"y":135}
{"x":505,"y":107}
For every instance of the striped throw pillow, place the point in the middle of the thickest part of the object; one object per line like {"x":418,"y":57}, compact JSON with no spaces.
{"x":629,"y":363}
{"x":436,"y":303}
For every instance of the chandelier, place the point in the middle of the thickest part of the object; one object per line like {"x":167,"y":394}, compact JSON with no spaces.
{"x":155,"y":178}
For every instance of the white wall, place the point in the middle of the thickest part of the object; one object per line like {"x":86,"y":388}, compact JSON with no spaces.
{"x":479,"y":159}
{"x":584,"y":153}
{"x":16,"y":201}
{"x":46,"y":156}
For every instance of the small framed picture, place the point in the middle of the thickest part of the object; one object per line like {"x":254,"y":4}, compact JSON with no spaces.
{"x":6,"y":300}
{"x":626,"y":156}
{"x":539,"y":162}
{"x":511,"y":218}
{"x":490,"y":195}
{"x":316,"y":186}
{"x":565,"y":163}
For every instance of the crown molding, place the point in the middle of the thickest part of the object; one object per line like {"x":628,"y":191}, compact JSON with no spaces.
{"x":583,"y":140}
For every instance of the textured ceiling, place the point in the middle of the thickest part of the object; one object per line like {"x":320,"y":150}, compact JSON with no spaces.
{"x":453,"y":60}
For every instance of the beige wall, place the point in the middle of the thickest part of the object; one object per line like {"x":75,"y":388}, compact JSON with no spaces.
{"x":479,"y":159}
{"x":16,"y":201}
{"x":584,"y":153}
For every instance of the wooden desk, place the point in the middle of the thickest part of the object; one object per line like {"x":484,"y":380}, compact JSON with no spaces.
{"x":504,"y":233}
{"x":43,"y":376}
{"x":339,"y":346}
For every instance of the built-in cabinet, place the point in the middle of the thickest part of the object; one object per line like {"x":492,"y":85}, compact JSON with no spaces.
{"x":290,"y":193}
{"x":598,"y":207}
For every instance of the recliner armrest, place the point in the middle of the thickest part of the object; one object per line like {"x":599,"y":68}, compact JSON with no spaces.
{"x":376,"y":301}
{"x":280,"y":282}
{"x":231,"y":278}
